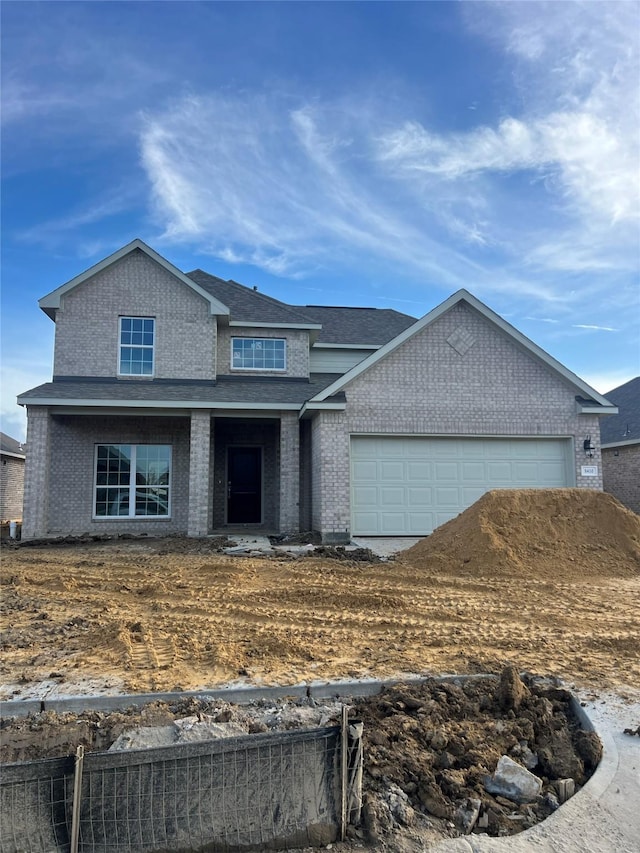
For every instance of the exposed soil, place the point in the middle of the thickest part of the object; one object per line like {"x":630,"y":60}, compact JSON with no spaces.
{"x":430,"y":748}
{"x":546,"y":580}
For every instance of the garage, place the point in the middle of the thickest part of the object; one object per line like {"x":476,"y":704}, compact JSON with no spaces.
{"x":409,"y":485}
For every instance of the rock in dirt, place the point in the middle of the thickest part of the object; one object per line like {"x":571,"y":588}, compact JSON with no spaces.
{"x":467,"y":814}
{"x":513,"y":781}
{"x":511,"y":690}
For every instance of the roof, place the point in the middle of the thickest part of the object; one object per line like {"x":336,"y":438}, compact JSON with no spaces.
{"x":253,"y":392}
{"x":51,"y":302}
{"x":250,"y":306}
{"x":364,"y":326}
{"x":623,"y":428}
{"x":594,"y":400}
{"x":10,"y":447}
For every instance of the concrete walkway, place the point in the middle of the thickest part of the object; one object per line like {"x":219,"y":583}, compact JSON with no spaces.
{"x":604,"y":817}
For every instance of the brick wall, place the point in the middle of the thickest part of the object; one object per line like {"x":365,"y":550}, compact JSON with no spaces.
{"x":87,"y":328}
{"x":621,"y":468}
{"x":71,"y":480}
{"x":427,"y":387}
{"x":297,"y":347}
{"x":11,"y":488}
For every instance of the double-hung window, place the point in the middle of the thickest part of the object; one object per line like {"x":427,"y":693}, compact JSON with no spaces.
{"x":258,"y":353}
{"x":132,"y":480}
{"x":137,"y":336}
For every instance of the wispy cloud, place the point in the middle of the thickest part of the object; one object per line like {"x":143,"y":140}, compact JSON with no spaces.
{"x":594,"y":328}
{"x":294,"y":185}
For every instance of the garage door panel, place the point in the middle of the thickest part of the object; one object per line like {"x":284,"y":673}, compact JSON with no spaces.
{"x":393,"y":471}
{"x":365,"y":496}
{"x":391,"y":521}
{"x":445,"y":471}
{"x":499,"y":473}
{"x":473,"y":471}
{"x":420,"y":497}
{"x":406,"y":485}
{"x":365,"y":470}
{"x":419,"y":471}
{"x":392,"y":497}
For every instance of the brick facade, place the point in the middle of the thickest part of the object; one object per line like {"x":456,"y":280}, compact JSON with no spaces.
{"x":621,"y":466}
{"x":11,"y":488}
{"x":428,"y":387}
{"x":86,"y":342}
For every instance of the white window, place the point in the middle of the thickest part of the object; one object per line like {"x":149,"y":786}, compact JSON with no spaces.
{"x":136,"y":346}
{"x":258,"y":353}
{"x":132,"y":480}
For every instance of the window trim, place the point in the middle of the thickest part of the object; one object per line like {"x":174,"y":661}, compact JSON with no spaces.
{"x":132,"y":485}
{"x":151,"y":347}
{"x":259,"y":369}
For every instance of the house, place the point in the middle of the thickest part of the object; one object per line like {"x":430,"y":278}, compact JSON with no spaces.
{"x":186,"y":403}
{"x":12,"y":458}
{"x":620,"y":437}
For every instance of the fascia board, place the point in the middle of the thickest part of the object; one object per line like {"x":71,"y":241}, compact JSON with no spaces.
{"x":322,"y":407}
{"x":156,"y":404}
{"x":51,"y":302}
{"x":612,"y":445}
{"x":597,"y":410}
{"x":13,"y":455}
{"x":347,"y":346}
{"x":436,"y":313}
{"x":249,"y":324}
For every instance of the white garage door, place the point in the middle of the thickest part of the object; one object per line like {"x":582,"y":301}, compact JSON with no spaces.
{"x":407,"y":486}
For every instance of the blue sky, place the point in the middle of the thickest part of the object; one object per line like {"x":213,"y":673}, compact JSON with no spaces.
{"x":377,"y":154}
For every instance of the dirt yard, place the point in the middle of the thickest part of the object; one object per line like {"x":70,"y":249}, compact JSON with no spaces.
{"x":545,"y":582}
{"x":549,"y":581}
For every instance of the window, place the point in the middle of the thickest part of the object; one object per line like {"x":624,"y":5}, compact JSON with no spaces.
{"x":258,"y":353}
{"x":132,"y":480}
{"x":136,"y":346}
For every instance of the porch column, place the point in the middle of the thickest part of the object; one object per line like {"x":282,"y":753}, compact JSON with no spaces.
{"x":289,"y":473}
{"x":35,"y":512}
{"x":199,"y":473}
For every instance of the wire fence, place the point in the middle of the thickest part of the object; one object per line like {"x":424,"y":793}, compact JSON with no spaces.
{"x":275,"y":790}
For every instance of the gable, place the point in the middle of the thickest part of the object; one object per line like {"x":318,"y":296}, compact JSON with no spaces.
{"x":52,"y":301}
{"x":460,"y":342}
{"x":461,"y":366}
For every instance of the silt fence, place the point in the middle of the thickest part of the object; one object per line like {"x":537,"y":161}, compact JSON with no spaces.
{"x":258,"y":792}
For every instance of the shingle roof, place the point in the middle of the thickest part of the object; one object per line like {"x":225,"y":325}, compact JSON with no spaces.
{"x":625,"y":426}
{"x":246,"y":304}
{"x":10,"y":445}
{"x":252,"y":390}
{"x":358,"y":325}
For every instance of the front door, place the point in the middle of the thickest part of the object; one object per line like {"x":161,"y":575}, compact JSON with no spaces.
{"x":244,"y":485}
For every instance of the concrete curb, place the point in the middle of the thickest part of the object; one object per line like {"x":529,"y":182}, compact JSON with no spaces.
{"x":238,"y":695}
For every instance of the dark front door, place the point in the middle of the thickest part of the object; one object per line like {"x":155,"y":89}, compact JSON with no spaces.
{"x":244,"y":485}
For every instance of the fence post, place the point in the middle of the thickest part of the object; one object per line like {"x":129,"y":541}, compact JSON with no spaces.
{"x":344,"y":771}
{"x":355,"y":772}
{"x":77,"y":788}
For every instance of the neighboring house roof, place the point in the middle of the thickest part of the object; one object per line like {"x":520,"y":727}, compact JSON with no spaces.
{"x":250,"y":306}
{"x":357,"y":326}
{"x":255,"y":392}
{"x":51,"y":302}
{"x":10,"y":447}
{"x":591,"y":400}
{"x":623,"y":428}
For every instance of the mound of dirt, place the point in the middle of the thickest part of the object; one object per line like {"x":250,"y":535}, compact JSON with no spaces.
{"x":435,"y":745}
{"x":540,"y":532}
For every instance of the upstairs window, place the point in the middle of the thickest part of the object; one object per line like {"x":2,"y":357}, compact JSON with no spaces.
{"x":258,"y":353}
{"x":137,"y":336}
{"x":132,"y":480}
